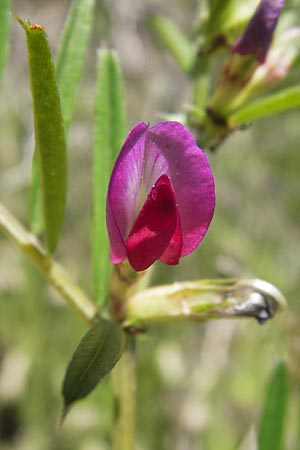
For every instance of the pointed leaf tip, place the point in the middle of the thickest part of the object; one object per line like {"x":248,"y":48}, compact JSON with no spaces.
{"x":96,"y":355}
{"x":49,"y":131}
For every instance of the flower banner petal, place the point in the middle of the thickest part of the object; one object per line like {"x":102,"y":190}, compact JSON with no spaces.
{"x":171,"y":148}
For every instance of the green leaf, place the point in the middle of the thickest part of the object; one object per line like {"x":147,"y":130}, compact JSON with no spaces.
{"x":35,"y":201}
{"x":271,"y":430}
{"x":71,"y":54}
{"x":267,"y":106}
{"x":49,"y":131}
{"x":109,"y":136}
{"x":69,"y":65}
{"x":4,"y":32}
{"x":173,"y":40}
{"x":96,"y":355}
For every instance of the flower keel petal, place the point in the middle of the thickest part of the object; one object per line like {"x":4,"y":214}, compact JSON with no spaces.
{"x":154,"y":227}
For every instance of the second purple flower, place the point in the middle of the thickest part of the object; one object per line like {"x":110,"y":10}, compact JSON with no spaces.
{"x":258,"y":35}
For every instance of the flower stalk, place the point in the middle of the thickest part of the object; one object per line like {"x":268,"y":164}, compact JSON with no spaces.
{"x":125,"y":282}
{"x":124,"y":384}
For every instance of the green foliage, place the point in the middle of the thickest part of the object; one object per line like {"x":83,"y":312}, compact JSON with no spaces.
{"x":35,"y":201}
{"x":220,"y":16}
{"x":96,"y":355}
{"x":109,"y":135}
{"x":271,"y":433}
{"x":72,"y":53}
{"x":49,"y":131}
{"x":266,"y":106}
{"x":69,"y":65}
{"x":4,"y":32}
{"x":183,"y":370}
{"x":173,"y":40}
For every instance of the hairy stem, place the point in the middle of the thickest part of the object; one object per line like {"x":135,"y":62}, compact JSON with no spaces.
{"x":54,"y":272}
{"x":125,"y":282}
{"x":124,"y":383}
{"x":201,"y":84}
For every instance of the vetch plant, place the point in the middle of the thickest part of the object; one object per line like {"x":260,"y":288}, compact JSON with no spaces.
{"x":153,"y":197}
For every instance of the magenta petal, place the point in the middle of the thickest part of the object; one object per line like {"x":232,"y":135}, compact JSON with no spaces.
{"x":172,"y":254}
{"x":157,"y":167}
{"x":123,"y":190}
{"x":154,"y":227}
{"x":171,"y":148}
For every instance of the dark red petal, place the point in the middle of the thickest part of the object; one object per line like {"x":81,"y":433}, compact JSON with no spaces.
{"x":154,"y":227}
{"x":172,"y":254}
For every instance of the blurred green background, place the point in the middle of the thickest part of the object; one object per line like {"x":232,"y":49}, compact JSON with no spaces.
{"x":199,"y":386}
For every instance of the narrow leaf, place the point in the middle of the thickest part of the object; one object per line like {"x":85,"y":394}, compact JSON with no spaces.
{"x":35,"y":201}
{"x":271,"y":431}
{"x":173,"y":40}
{"x":96,"y":355}
{"x":4,"y":32}
{"x":109,"y":135}
{"x":267,"y":106}
{"x":49,"y":131}
{"x":69,"y":65}
{"x":71,"y":54}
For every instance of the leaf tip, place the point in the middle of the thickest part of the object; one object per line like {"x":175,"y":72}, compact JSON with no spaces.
{"x":26,"y":23}
{"x":64,"y":413}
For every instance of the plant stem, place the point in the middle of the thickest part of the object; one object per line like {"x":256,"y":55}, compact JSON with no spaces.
{"x":125,"y":282}
{"x":124,"y":384}
{"x":201,"y":83}
{"x":54,"y":272}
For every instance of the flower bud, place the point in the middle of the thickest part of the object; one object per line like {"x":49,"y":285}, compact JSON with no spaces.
{"x":258,"y":35}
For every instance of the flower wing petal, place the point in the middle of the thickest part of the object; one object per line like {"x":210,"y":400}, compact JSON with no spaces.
{"x":123,"y":189}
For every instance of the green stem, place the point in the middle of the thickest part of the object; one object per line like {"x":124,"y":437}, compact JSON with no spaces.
{"x":124,"y":283}
{"x":124,"y":383}
{"x":201,"y":83}
{"x":54,"y":272}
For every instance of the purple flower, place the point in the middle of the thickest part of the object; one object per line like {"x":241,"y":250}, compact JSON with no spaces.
{"x":160,"y":198}
{"x":257,"y":37}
